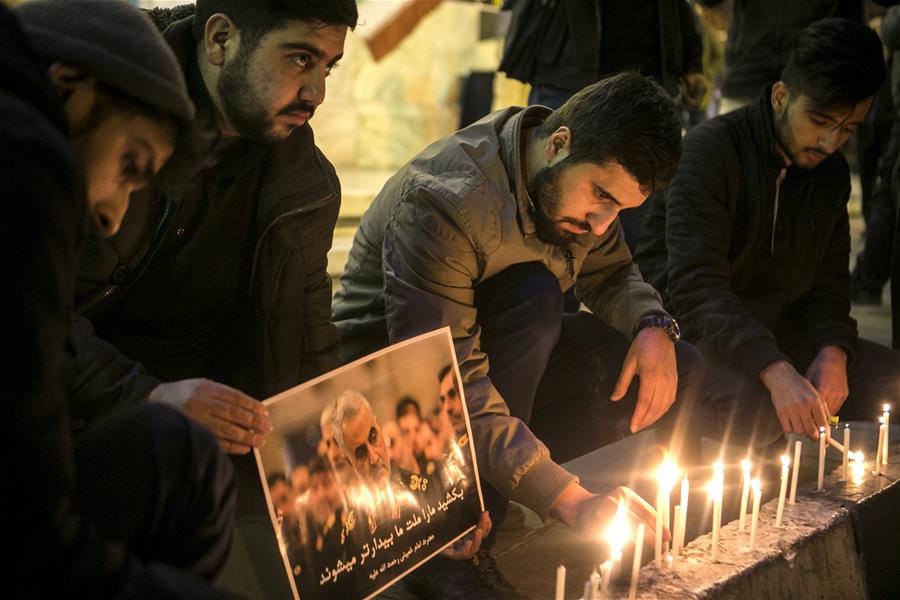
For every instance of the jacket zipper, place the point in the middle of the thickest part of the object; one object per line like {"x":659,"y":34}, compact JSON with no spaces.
{"x":152,"y":247}
{"x":291,"y":213}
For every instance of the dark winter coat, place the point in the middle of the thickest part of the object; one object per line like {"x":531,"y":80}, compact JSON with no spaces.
{"x":708,"y":243}
{"x":557,"y":43}
{"x":284,"y":335}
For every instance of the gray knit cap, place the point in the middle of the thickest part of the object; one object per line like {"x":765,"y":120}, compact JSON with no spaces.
{"x":113,"y":41}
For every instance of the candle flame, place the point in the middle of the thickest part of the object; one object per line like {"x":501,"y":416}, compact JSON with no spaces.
{"x":821,"y":430}
{"x":785,"y":460}
{"x":667,"y":474}
{"x":886,"y":408}
{"x":618,"y":533}
{"x":745,"y":466}
{"x":757,"y":486}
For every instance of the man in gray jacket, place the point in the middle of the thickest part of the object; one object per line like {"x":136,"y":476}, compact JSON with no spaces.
{"x":483,"y":231}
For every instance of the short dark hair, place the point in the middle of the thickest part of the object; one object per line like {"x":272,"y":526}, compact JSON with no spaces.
{"x":626,"y":118}
{"x":835,"y":63}
{"x":318,"y":465}
{"x":443,"y":372}
{"x":257,"y":18}
{"x":275,"y":477}
{"x":407,"y":405}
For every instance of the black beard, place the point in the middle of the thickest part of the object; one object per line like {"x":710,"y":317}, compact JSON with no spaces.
{"x":243,"y":108}
{"x":544,"y":192}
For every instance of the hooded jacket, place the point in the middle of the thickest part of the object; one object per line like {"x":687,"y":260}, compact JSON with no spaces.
{"x":740,"y":264}
{"x":454,"y":216}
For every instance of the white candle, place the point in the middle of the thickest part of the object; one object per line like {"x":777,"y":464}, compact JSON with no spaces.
{"x":795,"y":475}
{"x":595,"y":584}
{"x":823,"y":439}
{"x":887,"y":432}
{"x":716,"y":490}
{"x":657,"y":550}
{"x":605,"y":572}
{"x":785,"y":464}
{"x":636,"y":563}
{"x":560,"y":583}
{"x":880,"y":449}
{"x":846,"y":457}
{"x":685,"y":492}
{"x":754,"y":518}
{"x":667,"y":475}
{"x":587,"y":591}
{"x":678,"y":534}
{"x":745,"y":494}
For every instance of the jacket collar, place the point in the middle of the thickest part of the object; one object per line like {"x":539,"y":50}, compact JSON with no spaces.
{"x":762,"y":122}
{"x":512,"y":145}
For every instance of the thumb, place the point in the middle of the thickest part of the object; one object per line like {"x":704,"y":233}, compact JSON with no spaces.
{"x":625,"y":377}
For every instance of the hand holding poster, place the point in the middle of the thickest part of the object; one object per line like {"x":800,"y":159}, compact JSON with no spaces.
{"x":370,"y":470}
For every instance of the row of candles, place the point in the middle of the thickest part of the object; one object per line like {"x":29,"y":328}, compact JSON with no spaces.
{"x":618,"y":534}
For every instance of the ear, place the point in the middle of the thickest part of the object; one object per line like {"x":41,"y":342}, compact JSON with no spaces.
{"x":220,"y":36}
{"x":558,"y":143}
{"x":76,"y":89}
{"x":780,"y":97}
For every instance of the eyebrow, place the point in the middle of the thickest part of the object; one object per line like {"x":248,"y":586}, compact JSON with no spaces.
{"x":603,"y":192}
{"x":312,"y":49}
{"x":829,"y":118}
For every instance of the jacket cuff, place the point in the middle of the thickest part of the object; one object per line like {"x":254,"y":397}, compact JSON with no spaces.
{"x":836,"y":336}
{"x":755,"y":355}
{"x":541,"y":486}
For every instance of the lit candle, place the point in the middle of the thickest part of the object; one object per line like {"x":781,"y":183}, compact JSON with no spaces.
{"x":560,"y":583}
{"x":657,"y":550}
{"x":879,"y":451}
{"x":617,"y":535}
{"x":887,"y":432}
{"x":667,"y":475}
{"x":859,"y":465}
{"x":605,"y":572}
{"x":785,"y":464}
{"x":685,"y":487}
{"x":795,"y":475}
{"x":823,"y":440}
{"x":678,"y":534}
{"x":846,"y":457}
{"x":754,"y":518}
{"x":745,"y":494}
{"x":636,"y":563}
{"x":715,"y":491}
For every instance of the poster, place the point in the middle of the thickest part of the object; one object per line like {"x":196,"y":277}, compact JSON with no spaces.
{"x":369,"y":470}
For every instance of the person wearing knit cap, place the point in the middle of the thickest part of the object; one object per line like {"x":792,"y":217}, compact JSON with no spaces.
{"x":142,"y":504}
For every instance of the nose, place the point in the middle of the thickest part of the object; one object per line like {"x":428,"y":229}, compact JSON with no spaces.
{"x":832,"y":140}
{"x":600,"y":222}
{"x":313,"y":89}
{"x":111,"y":213}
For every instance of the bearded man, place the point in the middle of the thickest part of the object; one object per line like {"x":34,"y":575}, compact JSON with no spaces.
{"x":484,"y":231}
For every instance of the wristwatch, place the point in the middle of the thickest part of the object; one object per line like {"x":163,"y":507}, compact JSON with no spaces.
{"x":666,"y":322}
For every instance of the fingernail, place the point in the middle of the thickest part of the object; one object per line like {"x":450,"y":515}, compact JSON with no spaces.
{"x":258,"y":440}
{"x":267,"y":427}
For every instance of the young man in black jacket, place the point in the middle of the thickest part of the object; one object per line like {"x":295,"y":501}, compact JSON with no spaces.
{"x":751,"y":243}
{"x":217,"y":284}
{"x":141,"y":505}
